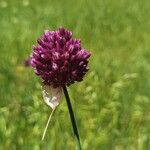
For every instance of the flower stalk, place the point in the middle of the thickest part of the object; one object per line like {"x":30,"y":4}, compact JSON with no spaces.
{"x":73,"y":121}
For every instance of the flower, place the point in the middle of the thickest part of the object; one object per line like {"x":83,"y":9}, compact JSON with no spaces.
{"x":26,"y":62}
{"x":59,"y":59}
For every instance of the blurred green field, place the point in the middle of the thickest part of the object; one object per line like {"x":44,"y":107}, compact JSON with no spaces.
{"x":112,"y":105}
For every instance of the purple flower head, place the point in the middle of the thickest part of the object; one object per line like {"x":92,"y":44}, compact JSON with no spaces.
{"x":59,"y":59}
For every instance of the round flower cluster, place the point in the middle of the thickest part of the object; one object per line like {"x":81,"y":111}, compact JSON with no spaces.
{"x":59,"y":59}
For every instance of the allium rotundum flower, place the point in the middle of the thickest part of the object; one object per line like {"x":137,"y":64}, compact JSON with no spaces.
{"x":59,"y":59}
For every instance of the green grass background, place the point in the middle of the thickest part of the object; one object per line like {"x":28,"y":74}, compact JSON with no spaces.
{"x":112,"y":104}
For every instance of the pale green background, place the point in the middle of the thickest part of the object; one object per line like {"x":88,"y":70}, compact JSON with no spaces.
{"x":112,"y":104}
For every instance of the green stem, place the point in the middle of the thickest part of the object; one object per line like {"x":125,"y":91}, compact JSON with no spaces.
{"x":75,"y":129}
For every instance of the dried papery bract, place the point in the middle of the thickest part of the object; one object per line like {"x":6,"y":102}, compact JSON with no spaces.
{"x":52,"y":97}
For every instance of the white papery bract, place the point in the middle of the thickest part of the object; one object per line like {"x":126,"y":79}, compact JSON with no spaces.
{"x":51,"y":95}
